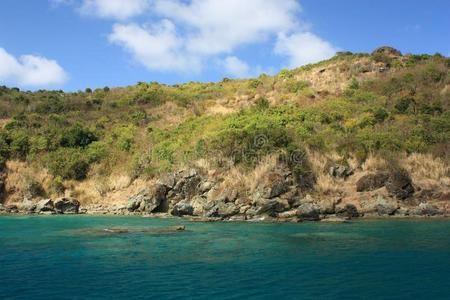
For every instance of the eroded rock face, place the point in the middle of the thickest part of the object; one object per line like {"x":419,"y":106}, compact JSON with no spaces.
{"x":371,"y":182}
{"x":148,"y":200}
{"x":348,"y":211}
{"x":426,"y":209}
{"x":386,"y":206}
{"x":309,"y":211}
{"x":182,"y":208}
{"x":66,"y":206}
{"x":46,"y":205}
{"x":400,"y":185}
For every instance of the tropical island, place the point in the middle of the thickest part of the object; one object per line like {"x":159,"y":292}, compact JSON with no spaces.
{"x":358,"y":135}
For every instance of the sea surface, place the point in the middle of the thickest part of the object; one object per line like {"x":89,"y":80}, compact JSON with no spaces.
{"x":73,"y":257}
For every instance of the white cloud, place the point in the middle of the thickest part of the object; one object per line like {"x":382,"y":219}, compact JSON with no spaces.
{"x":236,"y":67}
{"x":186,"y":35}
{"x":217,"y":26}
{"x":116,"y":9}
{"x":304,"y":48}
{"x":30,"y":70}
{"x":157,"y":48}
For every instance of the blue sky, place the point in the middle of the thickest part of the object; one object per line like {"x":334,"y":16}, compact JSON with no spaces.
{"x":74,"y":44}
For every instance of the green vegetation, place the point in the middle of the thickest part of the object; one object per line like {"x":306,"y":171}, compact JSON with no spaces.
{"x":150,"y":127}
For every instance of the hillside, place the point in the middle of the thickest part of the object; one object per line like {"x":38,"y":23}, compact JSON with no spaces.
{"x":356,"y":134}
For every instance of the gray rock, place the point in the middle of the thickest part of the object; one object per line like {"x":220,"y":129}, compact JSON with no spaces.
{"x":28,"y":206}
{"x":340,"y":171}
{"x":400,"y":185}
{"x":45,"y":205}
{"x":348,"y":211}
{"x":287,"y":214}
{"x":270,"y":206}
{"x":426,"y":209}
{"x":198,"y":204}
{"x":188,"y":186}
{"x":226,"y":210}
{"x":277,"y":189}
{"x":206,"y":186}
{"x":182,"y":208}
{"x":169,"y":181}
{"x":309,"y":211}
{"x":148,"y":200}
{"x":371,"y":182}
{"x":67,"y":206}
{"x":385,"y":207}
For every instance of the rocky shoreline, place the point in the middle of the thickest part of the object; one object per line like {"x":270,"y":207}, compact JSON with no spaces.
{"x":195,"y":196}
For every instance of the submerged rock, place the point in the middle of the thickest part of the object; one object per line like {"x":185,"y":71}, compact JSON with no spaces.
{"x":114,"y":230}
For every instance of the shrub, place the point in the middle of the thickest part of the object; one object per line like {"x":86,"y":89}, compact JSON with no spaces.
{"x":96,"y":151}
{"x":262,"y":104}
{"x":255,"y":83}
{"x":77,"y":136}
{"x":57,"y":185}
{"x":68,"y":163}
{"x":380,"y":114}
{"x":19,"y":145}
{"x":124,"y":136}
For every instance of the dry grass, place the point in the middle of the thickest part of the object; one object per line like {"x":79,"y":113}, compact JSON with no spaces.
{"x":426,"y":167}
{"x":260,"y":175}
{"x":244,"y":181}
{"x":327,"y":185}
{"x":374,"y":163}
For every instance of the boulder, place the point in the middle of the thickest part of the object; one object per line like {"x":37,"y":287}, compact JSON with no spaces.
{"x":188,"y":186}
{"x":288,"y":214}
{"x":12,"y":209}
{"x":67,"y":206}
{"x":226,"y":210}
{"x":400,"y":185}
{"x":27,"y":206}
{"x":340,"y":171}
{"x":169,"y":181}
{"x":426,"y":209}
{"x":271,"y":206}
{"x":309,"y":211}
{"x":182,"y":208}
{"x":276,"y":189}
{"x":206,"y":186}
{"x":385,"y":207}
{"x":148,"y":200}
{"x":198,"y":204}
{"x":45,"y":205}
{"x":371,"y":182}
{"x":348,"y":211}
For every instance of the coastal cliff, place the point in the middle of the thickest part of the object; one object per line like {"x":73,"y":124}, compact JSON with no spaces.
{"x":359,"y":135}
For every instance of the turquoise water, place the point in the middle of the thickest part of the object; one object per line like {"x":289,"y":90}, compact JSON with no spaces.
{"x":65,"y":257}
